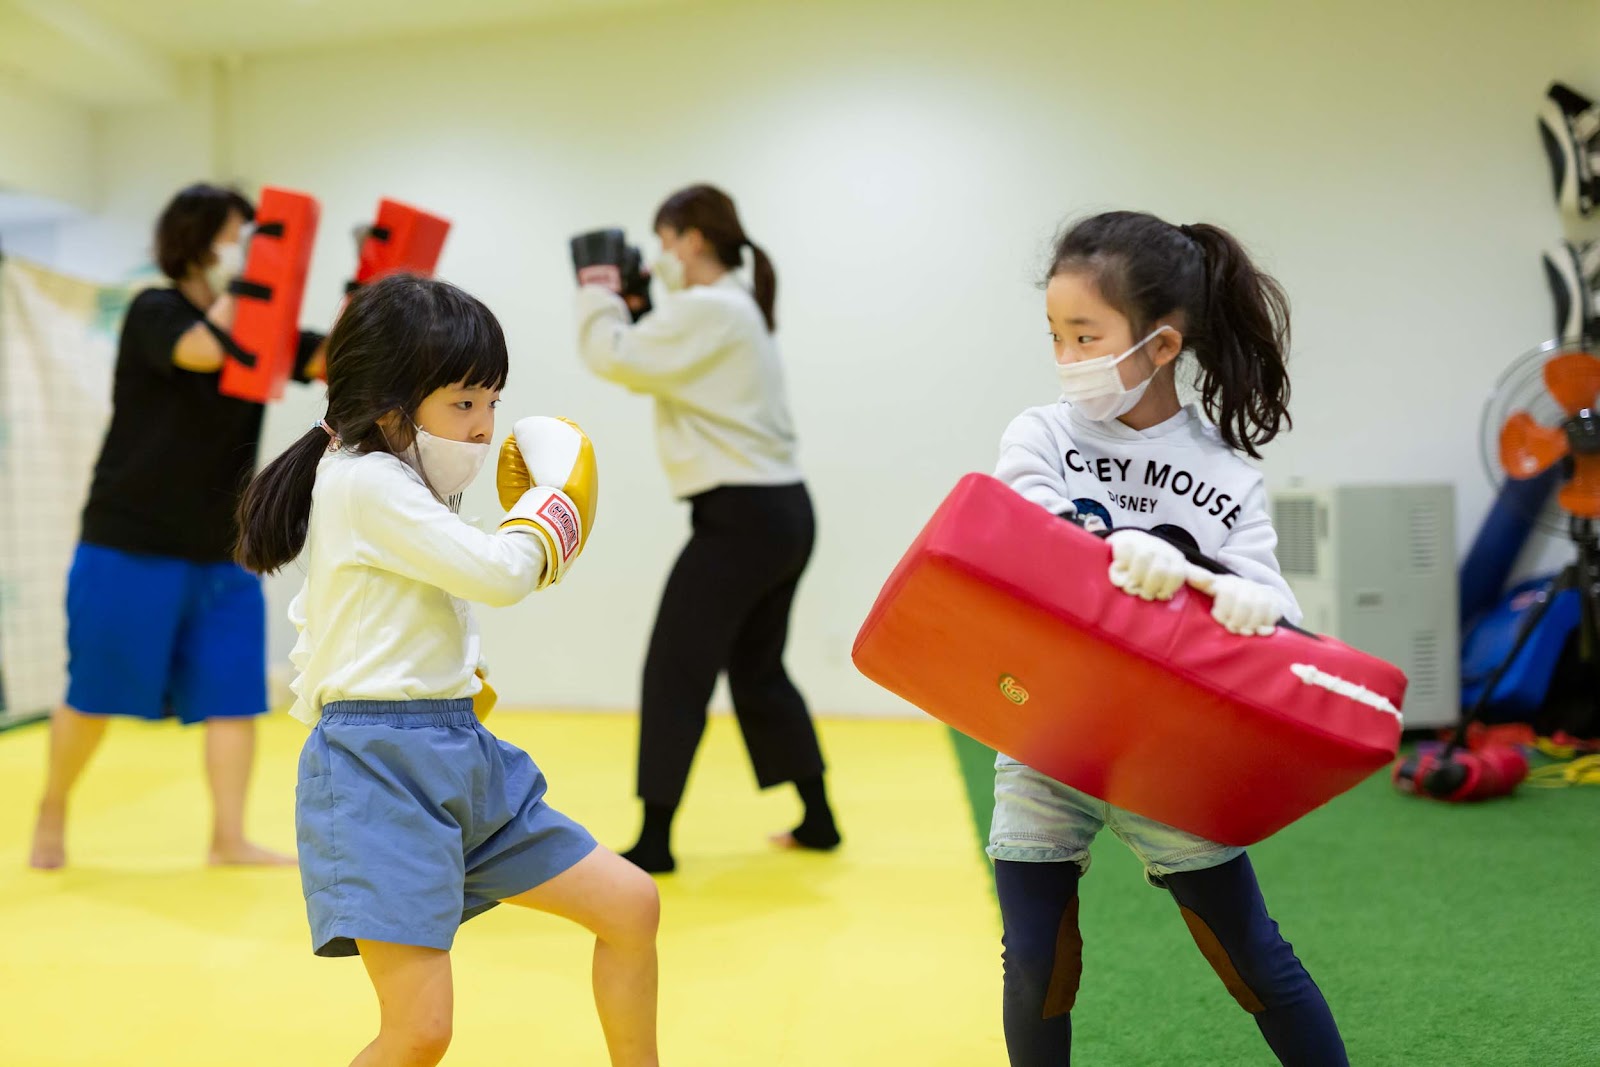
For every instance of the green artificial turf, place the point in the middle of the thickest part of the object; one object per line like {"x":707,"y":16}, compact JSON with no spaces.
{"x":1447,"y":935}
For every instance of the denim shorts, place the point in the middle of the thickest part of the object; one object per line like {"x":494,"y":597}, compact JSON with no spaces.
{"x":1039,"y":820}
{"x":412,"y":818}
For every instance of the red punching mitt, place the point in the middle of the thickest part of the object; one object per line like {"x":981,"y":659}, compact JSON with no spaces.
{"x":1002,"y":622}
{"x":266,"y":324}
{"x":401,"y":239}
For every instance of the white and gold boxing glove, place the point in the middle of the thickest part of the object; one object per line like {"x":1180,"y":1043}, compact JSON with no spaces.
{"x":549,"y":485}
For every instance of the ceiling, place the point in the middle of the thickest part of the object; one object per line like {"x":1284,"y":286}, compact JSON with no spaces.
{"x":107,"y":53}
{"x":209,"y":27}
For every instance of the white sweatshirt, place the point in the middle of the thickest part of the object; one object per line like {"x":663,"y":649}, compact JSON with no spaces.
{"x":383,"y":614}
{"x":1178,"y":475}
{"x":722,"y":413}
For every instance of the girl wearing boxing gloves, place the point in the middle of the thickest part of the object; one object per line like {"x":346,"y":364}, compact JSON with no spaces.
{"x":411,"y":817}
{"x":1129,"y":299}
{"x":160,"y":621}
{"x":708,"y":356}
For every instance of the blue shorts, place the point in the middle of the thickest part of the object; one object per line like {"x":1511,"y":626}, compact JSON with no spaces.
{"x":1039,"y":820}
{"x":412,"y":818}
{"x":152,"y":636}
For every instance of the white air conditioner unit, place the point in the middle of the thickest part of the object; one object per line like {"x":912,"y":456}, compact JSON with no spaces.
{"x":1375,"y":567}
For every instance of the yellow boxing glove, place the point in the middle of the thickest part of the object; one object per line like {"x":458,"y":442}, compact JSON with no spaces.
{"x":549,"y":485}
{"x":483,"y":701}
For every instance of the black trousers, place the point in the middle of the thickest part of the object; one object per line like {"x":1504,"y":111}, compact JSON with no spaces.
{"x":726,"y":608}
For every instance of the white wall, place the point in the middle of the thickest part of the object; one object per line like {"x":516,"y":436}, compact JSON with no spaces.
{"x":46,"y":144}
{"x":906,"y":165}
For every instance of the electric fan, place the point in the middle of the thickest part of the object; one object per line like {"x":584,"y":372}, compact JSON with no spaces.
{"x":1543,"y":417}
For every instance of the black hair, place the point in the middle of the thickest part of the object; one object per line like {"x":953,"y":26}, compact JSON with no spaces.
{"x":1233,"y":317}
{"x":189,"y":225}
{"x":396,"y":341}
{"x":710,"y":210}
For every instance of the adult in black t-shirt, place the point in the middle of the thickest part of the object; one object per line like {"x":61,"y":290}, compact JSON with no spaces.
{"x":160,"y":620}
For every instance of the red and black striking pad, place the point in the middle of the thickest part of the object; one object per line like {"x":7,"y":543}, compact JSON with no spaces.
{"x":401,"y":239}
{"x":1000,"y":621}
{"x":266,"y":325}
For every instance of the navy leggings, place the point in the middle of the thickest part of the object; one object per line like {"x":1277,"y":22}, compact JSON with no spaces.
{"x":1223,"y":909}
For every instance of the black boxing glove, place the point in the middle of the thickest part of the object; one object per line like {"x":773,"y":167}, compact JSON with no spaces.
{"x":598,"y":257}
{"x":635,"y":284}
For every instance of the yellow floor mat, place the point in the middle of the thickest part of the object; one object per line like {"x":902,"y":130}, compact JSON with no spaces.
{"x":884,"y":953}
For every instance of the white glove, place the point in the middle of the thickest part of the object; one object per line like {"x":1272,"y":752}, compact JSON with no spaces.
{"x":1143,"y":565}
{"x":1243,"y":607}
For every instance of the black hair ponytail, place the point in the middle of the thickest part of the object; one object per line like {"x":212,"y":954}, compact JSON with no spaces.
{"x":1234,"y":317}
{"x":1243,"y":344}
{"x":275,"y":511}
{"x":766,"y":285}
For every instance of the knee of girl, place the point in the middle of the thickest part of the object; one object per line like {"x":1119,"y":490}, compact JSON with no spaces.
{"x":1261,"y":973}
{"x":638,"y":914}
{"x":421,"y":1041}
{"x":1048,"y":975}
{"x":1027,"y":959}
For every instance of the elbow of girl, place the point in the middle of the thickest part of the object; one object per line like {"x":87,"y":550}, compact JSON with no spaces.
{"x":519,"y":579}
{"x":513,"y":588}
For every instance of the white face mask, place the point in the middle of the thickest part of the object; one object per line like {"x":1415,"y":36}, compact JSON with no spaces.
{"x":668,"y":270}
{"x":228,"y":265}
{"x":1094,"y":386}
{"x":449,"y":466}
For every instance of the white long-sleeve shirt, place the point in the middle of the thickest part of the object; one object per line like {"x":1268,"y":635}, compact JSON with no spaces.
{"x":706,"y":356}
{"x":383,"y":613}
{"x":1177,"y":478}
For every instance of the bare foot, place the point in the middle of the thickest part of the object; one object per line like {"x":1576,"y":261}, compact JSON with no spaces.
{"x":248,"y":854}
{"x":49,"y":840}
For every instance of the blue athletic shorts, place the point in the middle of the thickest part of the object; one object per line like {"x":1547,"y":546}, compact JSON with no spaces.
{"x":412,"y":818}
{"x":153,"y":636}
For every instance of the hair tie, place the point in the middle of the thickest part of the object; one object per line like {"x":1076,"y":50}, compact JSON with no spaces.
{"x":322,"y":424}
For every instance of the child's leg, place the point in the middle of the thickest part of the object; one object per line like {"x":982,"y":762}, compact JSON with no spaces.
{"x":415,"y":1004}
{"x":1224,"y":911}
{"x":1043,"y":959}
{"x":619,"y":904}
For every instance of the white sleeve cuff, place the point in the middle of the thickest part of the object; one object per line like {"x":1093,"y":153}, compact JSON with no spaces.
{"x":598,"y":300}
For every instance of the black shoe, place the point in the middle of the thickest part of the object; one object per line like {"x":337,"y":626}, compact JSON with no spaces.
{"x":1569,"y":126}
{"x":1573,"y":274}
{"x":651,"y":859}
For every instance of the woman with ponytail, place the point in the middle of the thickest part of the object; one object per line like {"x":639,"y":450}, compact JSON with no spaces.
{"x":1129,"y":299}
{"x":707,"y":354}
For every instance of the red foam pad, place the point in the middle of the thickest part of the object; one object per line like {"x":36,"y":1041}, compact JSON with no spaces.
{"x":402,"y":238}
{"x":267,"y":323}
{"x":1001,"y":622}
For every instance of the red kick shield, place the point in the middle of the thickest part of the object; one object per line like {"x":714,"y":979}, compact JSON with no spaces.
{"x":401,"y":238}
{"x":266,"y":326}
{"x":1001,"y":622}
